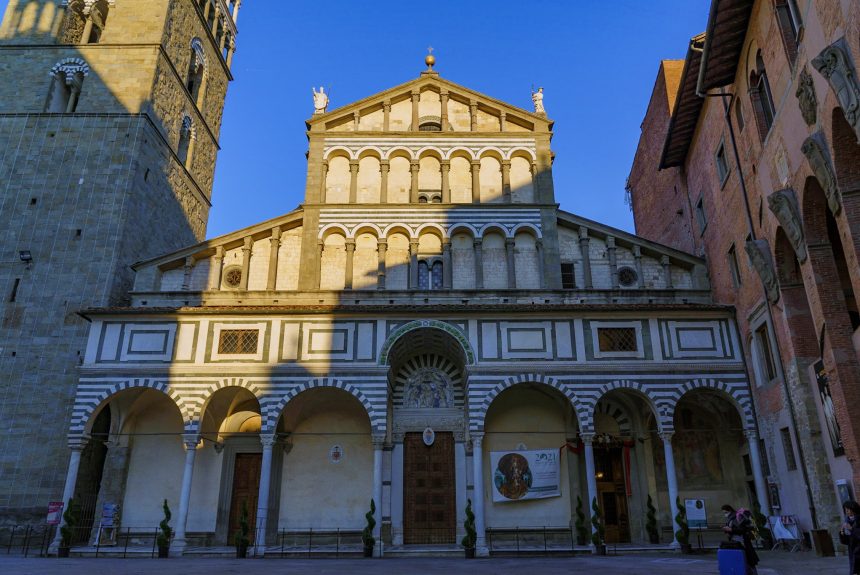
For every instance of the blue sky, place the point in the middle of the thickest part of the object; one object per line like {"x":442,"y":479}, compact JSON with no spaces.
{"x":597,"y":61}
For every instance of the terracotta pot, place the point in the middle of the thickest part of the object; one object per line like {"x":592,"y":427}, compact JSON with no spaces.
{"x":63,"y":551}
{"x":686,"y":548}
{"x":241,"y":551}
{"x":600,"y":549}
{"x":470,"y":552}
{"x":163,"y":552}
{"x":368,"y":550}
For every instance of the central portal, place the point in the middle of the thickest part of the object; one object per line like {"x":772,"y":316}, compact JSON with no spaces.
{"x":429,"y":509}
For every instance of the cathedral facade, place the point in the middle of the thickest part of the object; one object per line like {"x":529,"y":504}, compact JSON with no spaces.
{"x":427,"y":331}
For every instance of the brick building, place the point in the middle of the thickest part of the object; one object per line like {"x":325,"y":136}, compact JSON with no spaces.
{"x":109,"y":118}
{"x":750,"y":160}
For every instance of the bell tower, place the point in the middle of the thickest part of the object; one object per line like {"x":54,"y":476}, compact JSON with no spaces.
{"x":109,"y":125}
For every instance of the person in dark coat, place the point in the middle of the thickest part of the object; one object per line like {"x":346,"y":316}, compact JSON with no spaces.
{"x":739,"y":527}
{"x":849,"y":535}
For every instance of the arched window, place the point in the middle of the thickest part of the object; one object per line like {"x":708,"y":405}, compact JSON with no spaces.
{"x":68,"y":78}
{"x":187,"y":136}
{"x":197,"y":72}
{"x":790,"y":26}
{"x":430,"y":275}
{"x":761,"y":97}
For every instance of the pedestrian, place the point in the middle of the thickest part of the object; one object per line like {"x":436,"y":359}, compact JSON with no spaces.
{"x":739,"y":527}
{"x":849,"y":535}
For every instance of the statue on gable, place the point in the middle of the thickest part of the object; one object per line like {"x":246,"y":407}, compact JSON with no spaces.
{"x":320,"y":100}
{"x":537,"y":98}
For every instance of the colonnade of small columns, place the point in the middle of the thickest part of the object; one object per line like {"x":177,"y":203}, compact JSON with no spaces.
{"x":191,"y":443}
{"x":414,"y":171}
{"x":447,"y":264}
{"x":216,"y":13}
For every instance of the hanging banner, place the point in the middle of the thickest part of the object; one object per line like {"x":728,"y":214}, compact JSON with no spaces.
{"x":55,"y":512}
{"x":523,"y":475}
{"x":827,"y":405}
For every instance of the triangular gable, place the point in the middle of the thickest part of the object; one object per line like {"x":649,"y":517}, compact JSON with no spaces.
{"x":433,"y":82}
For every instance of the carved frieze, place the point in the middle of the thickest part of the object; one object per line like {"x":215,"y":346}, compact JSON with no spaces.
{"x":785,"y":207}
{"x":817,"y":154}
{"x":835,"y":64}
{"x":415,"y":420}
{"x":761,"y":259}
{"x":806,"y":98}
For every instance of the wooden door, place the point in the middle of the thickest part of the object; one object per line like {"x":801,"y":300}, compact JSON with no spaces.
{"x":246,"y":488}
{"x":612,"y":494}
{"x":429,"y":494}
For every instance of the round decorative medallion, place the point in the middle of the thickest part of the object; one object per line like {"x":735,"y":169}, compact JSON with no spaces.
{"x":335,"y":454}
{"x":429,"y":436}
{"x":233,"y":276}
{"x":627,"y":277}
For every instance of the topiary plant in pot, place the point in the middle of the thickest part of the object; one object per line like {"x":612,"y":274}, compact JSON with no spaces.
{"x":651,"y":522}
{"x":240,"y":538}
{"x":367,"y":534}
{"x":598,"y":533}
{"x":165,"y":533}
{"x":71,"y":516}
{"x":682,"y":535}
{"x":581,"y":530}
{"x":471,"y":537}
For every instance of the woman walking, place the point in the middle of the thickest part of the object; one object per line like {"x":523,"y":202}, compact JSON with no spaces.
{"x":739,"y":528}
{"x":849,"y":535}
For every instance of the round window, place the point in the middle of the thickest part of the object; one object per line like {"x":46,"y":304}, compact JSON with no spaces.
{"x":627,"y":277}
{"x":233,"y":276}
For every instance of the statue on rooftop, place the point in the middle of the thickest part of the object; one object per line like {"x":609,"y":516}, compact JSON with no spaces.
{"x":320,"y":100}
{"x":537,"y":98}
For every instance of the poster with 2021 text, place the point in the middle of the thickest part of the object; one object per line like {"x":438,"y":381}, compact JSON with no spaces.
{"x":524,"y":475}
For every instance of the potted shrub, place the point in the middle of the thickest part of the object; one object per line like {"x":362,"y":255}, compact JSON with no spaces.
{"x":67,"y":530}
{"x":651,"y":522}
{"x":598,"y":533}
{"x":240,"y":538}
{"x":683,"y":533}
{"x":163,"y":537}
{"x":581,"y":531}
{"x":367,"y":534}
{"x":471,"y":536}
{"x":763,"y":532}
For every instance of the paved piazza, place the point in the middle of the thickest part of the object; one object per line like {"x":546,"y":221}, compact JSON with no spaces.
{"x":778,"y":563}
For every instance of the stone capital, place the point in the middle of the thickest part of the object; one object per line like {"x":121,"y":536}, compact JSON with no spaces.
{"x":353,"y":165}
{"x":751,"y":434}
{"x":587,"y":437}
{"x":350,"y":245}
{"x":378,"y":442}
{"x":477,"y":242}
{"x":384,"y":165}
{"x":476,"y":164}
{"x":510,"y":242}
{"x":506,"y":164}
{"x":268,"y":440}
{"x":77,"y":442}
{"x":666,"y":436}
{"x":477,"y":438}
{"x":246,"y":246}
{"x":191,"y":441}
{"x":445,"y":165}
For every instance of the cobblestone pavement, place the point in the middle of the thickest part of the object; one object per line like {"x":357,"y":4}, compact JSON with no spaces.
{"x":777,"y":563}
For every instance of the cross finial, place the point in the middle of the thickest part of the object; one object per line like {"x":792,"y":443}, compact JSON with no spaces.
{"x":430,"y":59}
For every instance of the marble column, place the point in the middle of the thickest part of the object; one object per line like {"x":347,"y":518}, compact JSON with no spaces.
{"x":320,"y":252}
{"x":274,"y":248}
{"x":356,"y":120}
{"x":506,"y":181}
{"x":381,"y":250}
{"x":414,"y":167}
{"x":416,"y":97}
{"x":445,"y":166}
{"x":215,"y":270}
{"x":236,"y":4}
{"x":667,"y":271}
{"x":413,"y":264}
{"x":637,"y":256}
{"x":510,"y":245}
{"x":502,"y":121}
{"x":397,"y":491}
{"x":586,"y":256}
{"x":231,"y":50}
{"x":353,"y":181}
{"x":476,"y":181}
{"x":590,"y":473}
{"x":386,"y":115}
{"x":671,"y":480}
{"x":758,"y":474}
{"x":541,"y":273}
{"x":384,"y":166}
{"x":323,"y":177}
{"x":246,"y":263}
{"x":350,"y":256}
{"x":479,"y":263}
{"x":443,"y":97}
{"x":88,"y":26}
{"x":190,"y":441}
{"x":268,"y":441}
{"x":378,"y":442}
{"x":478,"y":490}
{"x":613,"y":261}
{"x":76,"y":446}
{"x":187,"y":268}
{"x":473,"y":116}
{"x":447,"y":271}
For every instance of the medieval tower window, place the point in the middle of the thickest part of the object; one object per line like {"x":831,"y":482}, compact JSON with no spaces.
{"x":568,"y":279}
{"x":85,"y":21}
{"x":722,"y":164}
{"x":701,"y":218}
{"x":788,"y":448}
{"x":735,"y":271}
{"x":766,"y":365}
{"x":185,"y":150}
{"x":197,"y":72}
{"x":67,"y":80}
{"x":761,"y":98}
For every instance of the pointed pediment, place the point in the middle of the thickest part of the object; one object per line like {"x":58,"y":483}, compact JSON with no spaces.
{"x":369,"y":114}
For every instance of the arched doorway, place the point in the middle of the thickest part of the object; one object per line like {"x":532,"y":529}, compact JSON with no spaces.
{"x":427,"y":407}
{"x":623,"y":422}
